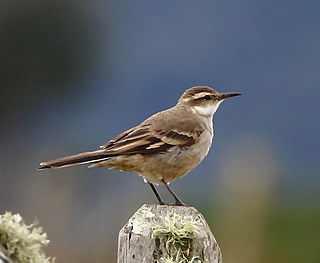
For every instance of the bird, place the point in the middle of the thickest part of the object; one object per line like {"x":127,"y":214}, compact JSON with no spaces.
{"x":164,"y":147}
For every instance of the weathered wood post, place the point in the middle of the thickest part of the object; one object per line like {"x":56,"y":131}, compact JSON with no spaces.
{"x":3,"y":258}
{"x":167,"y":234}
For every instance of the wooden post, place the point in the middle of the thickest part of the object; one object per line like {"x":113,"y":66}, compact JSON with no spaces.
{"x":167,"y":234}
{"x":3,"y":258}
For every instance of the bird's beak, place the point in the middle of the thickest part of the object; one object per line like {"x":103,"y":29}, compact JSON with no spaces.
{"x":228,"y":95}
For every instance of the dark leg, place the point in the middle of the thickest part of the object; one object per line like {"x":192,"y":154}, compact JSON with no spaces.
{"x":178,"y":201}
{"x":156,"y":193}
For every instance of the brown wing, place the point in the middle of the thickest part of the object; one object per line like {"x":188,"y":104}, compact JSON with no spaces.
{"x":144,"y":140}
{"x":160,"y":132}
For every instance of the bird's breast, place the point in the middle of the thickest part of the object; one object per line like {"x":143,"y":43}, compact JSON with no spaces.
{"x":176,"y":162}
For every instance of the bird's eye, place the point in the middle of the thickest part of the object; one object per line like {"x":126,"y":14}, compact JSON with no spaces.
{"x":207,"y":97}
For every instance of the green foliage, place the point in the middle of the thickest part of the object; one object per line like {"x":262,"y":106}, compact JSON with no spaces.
{"x":22,"y":243}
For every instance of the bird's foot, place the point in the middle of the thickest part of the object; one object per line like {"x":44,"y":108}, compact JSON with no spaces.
{"x":173,"y":204}
{"x":179,"y":203}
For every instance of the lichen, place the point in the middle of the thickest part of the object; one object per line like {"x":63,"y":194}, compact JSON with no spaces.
{"x":20,"y":242}
{"x":178,"y":259}
{"x":178,"y":233}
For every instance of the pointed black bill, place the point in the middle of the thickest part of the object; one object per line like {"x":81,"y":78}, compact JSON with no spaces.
{"x":229,"y":95}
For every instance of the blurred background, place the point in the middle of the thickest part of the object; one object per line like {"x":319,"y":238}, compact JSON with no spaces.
{"x":73,"y":74}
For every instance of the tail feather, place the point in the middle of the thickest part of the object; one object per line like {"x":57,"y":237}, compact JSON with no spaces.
{"x":77,"y":159}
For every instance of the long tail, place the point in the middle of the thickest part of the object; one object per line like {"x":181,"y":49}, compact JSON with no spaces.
{"x":77,"y":159}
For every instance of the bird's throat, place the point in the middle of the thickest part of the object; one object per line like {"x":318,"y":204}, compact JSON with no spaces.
{"x":206,"y":110}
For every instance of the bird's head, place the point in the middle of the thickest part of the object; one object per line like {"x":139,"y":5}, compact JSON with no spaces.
{"x":203,"y":100}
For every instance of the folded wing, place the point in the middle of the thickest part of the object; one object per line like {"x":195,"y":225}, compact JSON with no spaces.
{"x":142,"y":139}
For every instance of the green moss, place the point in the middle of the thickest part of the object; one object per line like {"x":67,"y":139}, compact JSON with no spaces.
{"x":20,"y":242}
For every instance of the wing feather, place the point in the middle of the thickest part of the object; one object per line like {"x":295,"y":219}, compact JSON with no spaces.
{"x":157,"y":134}
{"x":144,"y":140}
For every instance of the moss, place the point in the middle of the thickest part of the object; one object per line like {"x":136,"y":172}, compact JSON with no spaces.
{"x":178,"y":233}
{"x":20,"y":242}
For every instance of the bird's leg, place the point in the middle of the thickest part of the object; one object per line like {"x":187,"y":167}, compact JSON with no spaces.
{"x":176,"y":198}
{"x":157,"y":194}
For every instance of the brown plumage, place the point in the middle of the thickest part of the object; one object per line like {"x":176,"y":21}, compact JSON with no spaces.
{"x":164,"y":147}
{"x":150,"y":137}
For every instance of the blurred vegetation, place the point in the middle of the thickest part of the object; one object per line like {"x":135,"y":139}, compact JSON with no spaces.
{"x":293,"y":233}
{"x":44,"y":46}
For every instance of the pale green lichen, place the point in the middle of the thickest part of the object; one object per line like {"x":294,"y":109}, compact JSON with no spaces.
{"x":179,"y":258}
{"x":178,"y":233}
{"x":20,"y":242}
